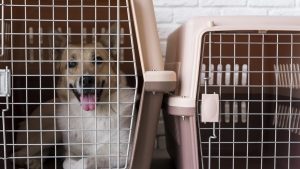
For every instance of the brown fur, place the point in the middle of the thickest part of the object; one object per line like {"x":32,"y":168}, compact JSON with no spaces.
{"x":85,"y":65}
{"x":105,"y":71}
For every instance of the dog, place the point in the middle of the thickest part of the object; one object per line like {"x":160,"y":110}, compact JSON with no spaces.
{"x":92,"y":127}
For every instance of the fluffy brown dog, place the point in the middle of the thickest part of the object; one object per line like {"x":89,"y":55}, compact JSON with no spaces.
{"x":94,"y":129}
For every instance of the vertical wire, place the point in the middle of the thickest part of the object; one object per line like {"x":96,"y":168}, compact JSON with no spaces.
{"x":291,"y":99}
{"x":118,"y":82}
{"x":220,"y":91}
{"x":40,"y":82}
{"x":2,"y":29}
{"x":67,"y":88}
{"x":54,"y":77}
{"x":209,"y":59}
{"x":262,"y":101}
{"x":276,"y":101}
{"x":82,"y":67}
{"x":3,"y":132}
{"x":248,"y":103}
{"x":54,"y":89}
{"x":26,"y":85}
{"x":203,"y":47}
{"x":96,"y":76}
{"x":206,"y":82}
{"x":136,"y":82}
{"x":109,"y":81}
{"x":12,"y":83}
{"x":7,"y":96}
{"x":234,"y":93}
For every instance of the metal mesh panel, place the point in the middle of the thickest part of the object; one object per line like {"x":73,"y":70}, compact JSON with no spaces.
{"x":73,"y":84}
{"x":256,"y":75}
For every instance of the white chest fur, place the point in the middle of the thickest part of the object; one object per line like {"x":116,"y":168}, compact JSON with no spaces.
{"x":96,"y":132}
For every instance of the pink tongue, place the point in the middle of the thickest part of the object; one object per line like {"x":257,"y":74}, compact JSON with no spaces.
{"x":88,"y":102}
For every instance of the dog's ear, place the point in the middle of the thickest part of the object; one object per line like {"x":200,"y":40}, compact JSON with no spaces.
{"x":60,"y":41}
{"x":110,"y":38}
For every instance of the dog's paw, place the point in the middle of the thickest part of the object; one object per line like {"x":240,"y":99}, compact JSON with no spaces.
{"x":84,"y":163}
{"x":67,"y":164}
{"x":70,"y":163}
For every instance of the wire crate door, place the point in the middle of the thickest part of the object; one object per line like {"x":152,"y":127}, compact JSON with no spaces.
{"x":255,"y":74}
{"x":74,"y":79}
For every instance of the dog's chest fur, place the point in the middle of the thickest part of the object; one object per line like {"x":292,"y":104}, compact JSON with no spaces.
{"x":95,"y":132}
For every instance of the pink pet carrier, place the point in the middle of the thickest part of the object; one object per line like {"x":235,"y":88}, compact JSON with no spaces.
{"x":102,"y":43}
{"x":236,"y":104}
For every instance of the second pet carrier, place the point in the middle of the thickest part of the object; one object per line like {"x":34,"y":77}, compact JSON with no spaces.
{"x":81,"y":84}
{"x":236,"y":103}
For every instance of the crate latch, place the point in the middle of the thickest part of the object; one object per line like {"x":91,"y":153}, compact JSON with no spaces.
{"x":5,"y":82}
{"x":209,"y":105}
{"x":210,"y":108}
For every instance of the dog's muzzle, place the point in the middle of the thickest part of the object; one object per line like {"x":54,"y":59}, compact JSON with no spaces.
{"x":88,"y":95}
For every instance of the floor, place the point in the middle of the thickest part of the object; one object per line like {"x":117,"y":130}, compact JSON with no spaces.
{"x":161,"y":160}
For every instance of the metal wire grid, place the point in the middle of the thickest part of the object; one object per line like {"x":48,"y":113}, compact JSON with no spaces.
{"x":31,"y":55}
{"x":256,"y":75}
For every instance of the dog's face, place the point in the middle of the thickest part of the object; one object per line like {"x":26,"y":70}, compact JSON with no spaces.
{"x":87,"y":73}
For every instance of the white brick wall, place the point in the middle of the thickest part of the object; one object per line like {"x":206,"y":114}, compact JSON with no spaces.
{"x":171,"y":13}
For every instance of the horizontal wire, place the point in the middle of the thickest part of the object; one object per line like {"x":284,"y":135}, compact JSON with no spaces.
{"x":72,"y":130}
{"x":64,"y":6}
{"x":253,"y":34}
{"x":254,"y":43}
{"x":71,"y":116}
{"x":253,"y":57}
{"x":67,"y":156}
{"x":64,"y":103}
{"x":63,"y":48}
{"x":70,"y":34}
{"x":64,"y":20}
{"x":250,"y":128}
{"x":252,"y":157}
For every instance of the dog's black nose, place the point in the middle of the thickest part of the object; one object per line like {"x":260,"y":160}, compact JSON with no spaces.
{"x":87,"y":81}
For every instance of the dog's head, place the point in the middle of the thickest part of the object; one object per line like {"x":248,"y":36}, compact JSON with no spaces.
{"x":87,"y":72}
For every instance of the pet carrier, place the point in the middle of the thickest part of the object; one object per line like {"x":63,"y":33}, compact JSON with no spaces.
{"x":81,"y":84}
{"x":236,"y":103}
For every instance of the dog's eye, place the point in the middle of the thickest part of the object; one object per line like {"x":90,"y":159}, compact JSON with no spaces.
{"x":98,"y":60}
{"x":72,"y":64}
